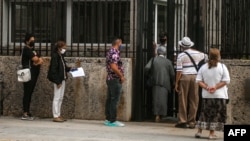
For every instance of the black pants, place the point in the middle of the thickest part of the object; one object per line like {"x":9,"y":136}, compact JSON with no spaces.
{"x":113,"y":97}
{"x":28,"y":88}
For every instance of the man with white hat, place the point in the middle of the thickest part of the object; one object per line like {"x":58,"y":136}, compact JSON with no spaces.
{"x":186,"y":86}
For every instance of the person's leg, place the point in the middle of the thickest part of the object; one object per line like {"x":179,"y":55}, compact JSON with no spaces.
{"x":193,"y":101}
{"x":56,"y":99}
{"x":182,"y":96}
{"x":108,"y":101}
{"x":31,"y":86}
{"x":115,"y":93}
{"x":62,"y":89}
{"x":26,"y":97}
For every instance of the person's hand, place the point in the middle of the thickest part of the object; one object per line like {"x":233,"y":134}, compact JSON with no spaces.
{"x":59,"y":86}
{"x":176,"y":88}
{"x":122,"y":79}
{"x":38,"y":62}
{"x":212,"y":90}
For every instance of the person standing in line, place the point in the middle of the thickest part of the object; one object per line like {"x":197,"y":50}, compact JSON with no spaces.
{"x":30,"y":59}
{"x":186,"y":86}
{"x":163,"y":42}
{"x":58,"y":74}
{"x":163,"y":77}
{"x":115,"y":79}
{"x":213,"y":77}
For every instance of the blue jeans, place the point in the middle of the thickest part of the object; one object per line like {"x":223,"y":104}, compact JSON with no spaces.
{"x":113,"y":97}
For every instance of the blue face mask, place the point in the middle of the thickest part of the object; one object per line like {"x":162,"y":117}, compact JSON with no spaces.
{"x":121,"y":47}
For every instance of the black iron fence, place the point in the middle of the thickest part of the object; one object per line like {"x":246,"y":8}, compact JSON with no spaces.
{"x":88,"y":26}
{"x":222,"y":24}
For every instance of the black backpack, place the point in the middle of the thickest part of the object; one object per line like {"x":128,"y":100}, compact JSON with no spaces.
{"x":200,"y":64}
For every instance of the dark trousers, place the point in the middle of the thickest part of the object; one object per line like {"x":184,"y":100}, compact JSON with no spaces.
{"x":113,"y":97}
{"x":28,"y":88}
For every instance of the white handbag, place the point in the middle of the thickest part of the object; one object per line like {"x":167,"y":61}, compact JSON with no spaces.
{"x":23,"y":74}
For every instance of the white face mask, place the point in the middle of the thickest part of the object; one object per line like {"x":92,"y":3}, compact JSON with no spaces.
{"x":63,"y":51}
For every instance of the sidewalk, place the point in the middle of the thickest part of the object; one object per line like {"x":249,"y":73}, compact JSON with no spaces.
{"x":14,"y":129}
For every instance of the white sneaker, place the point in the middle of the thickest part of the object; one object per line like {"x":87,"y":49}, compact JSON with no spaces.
{"x":118,"y":123}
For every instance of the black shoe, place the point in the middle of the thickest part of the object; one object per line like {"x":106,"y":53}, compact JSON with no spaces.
{"x":181,"y":125}
{"x":27,"y":117}
{"x":191,"y":126}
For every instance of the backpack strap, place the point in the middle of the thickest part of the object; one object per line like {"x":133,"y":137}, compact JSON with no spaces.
{"x":191,"y":58}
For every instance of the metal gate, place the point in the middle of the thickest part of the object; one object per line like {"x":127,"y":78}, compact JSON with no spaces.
{"x":222,"y":24}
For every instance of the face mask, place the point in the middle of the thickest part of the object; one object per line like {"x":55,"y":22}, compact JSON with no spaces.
{"x":32,"y":43}
{"x":63,"y":51}
{"x":121,"y":47}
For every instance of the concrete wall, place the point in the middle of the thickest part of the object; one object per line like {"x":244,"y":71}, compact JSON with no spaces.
{"x":84,"y":97}
{"x":239,"y":91}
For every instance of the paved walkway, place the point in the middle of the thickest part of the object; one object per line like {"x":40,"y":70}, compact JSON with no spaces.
{"x":14,"y":129}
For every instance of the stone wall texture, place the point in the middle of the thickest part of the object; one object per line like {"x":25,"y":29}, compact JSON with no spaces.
{"x":239,"y":91}
{"x":84,"y":96}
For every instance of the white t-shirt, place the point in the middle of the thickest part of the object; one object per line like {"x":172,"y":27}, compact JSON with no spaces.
{"x":212,"y":77}
{"x":184,"y":63}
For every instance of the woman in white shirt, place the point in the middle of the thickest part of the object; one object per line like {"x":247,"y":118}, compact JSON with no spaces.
{"x":213,"y":77}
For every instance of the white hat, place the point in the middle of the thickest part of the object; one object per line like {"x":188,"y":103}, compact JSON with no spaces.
{"x":186,"y":42}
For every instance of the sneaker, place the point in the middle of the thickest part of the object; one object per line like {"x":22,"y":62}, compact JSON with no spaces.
{"x":58,"y":119}
{"x":27,"y":117}
{"x":116,"y":124}
{"x":106,"y":122}
{"x":197,"y":135}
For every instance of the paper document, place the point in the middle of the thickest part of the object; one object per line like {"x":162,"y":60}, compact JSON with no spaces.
{"x":78,"y":73}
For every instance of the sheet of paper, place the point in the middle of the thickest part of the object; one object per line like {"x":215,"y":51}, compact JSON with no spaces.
{"x":78,"y":73}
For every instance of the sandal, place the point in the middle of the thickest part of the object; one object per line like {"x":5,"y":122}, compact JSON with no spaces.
{"x":212,"y":137}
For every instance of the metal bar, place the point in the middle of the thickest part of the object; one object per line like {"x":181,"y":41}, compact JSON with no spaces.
{"x":85,"y":27}
{"x":14,"y":25}
{"x":78,"y":26}
{"x":21,"y":21}
{"x":1,"y":30}
{"x":105,"y":26}
{"x":247,"y":29}
{"x":171,"y":27}
{"x":72,"y":27}
{"x":40,"y":28}
{"x":47,"y":26}
{"x":212,"y":22}
{"x":8,"y":27}
{"x":98,"y":28}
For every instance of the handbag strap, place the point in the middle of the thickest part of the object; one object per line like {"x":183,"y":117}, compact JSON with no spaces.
{"x":22,"y":57}
{"x":191,"y":58}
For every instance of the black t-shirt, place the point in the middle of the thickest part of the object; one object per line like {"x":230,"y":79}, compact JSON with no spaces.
{"x":28,"y":54}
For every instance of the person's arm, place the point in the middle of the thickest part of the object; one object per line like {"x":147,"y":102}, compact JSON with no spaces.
{"x":115,"y":69}
{"x":54,"y":64}
{"x":178,"y":77}
{"x":179,"y":69}
{"x":172,"y":74}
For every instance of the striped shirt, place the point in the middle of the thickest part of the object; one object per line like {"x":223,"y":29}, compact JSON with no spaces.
{"x":184,"y":63}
